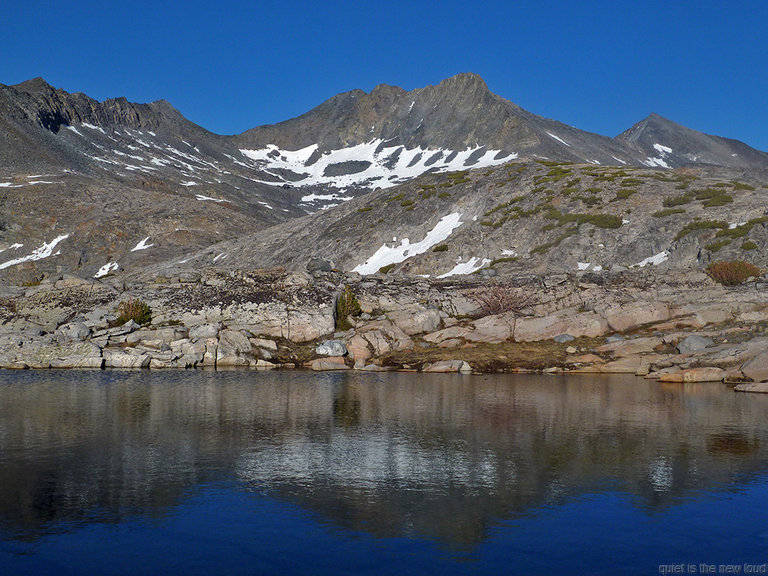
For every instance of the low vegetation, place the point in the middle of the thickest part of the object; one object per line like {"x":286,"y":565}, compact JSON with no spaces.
{"x":501,"y":298}
{"x":733,"y":272}
{"x":346,"y":305}
{"x":133,"y":309}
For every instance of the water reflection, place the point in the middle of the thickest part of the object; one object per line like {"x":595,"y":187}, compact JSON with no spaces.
{"x":439,"y":456}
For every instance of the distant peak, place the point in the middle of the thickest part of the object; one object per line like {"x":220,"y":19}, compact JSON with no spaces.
{"x":465,"y":79}
{"x":33,"y":85}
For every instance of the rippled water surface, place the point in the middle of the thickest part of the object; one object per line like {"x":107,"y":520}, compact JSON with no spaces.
{"x":299,"y":473}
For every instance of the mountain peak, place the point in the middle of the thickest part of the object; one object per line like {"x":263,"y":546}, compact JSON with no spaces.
{"x":34,"y":85}
{"x":464,"y":81}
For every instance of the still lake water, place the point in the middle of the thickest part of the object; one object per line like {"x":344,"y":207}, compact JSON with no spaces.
{"x":338,"y":473}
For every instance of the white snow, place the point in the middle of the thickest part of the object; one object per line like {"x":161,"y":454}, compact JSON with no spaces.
{"x":624,"y":221}
{"x":142,"y":245}
{"x":40,"y":182}
{"x":653,"y":260}
{"x":559,"y":139}
{"x":15,"y":246}
{"x":508,"y":253}
{"x":201,"y":197}
{"x":75,"y":130}
{"x":220,"y":256}
{"x":662,"y":149}
{"x":323,"y":197}
{"x":106,"y":269}
{"x":92,"y":127}
{"x":266,"y":205}
{"x":597,"y":268}
{"x":472,"y":265}
{"x":583,"y":265}
{"x":43,"y":251}
{"x":618,"y":159}
{"x":190,"y":183}
{"x":735,"y":225}
{"x":389,"y":165}
{"x":386,"y":255}
{"x":6,"y":184}
{"x":655,"y":162}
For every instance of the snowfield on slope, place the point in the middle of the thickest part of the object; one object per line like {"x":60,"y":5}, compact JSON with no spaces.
{"x":387,"y":255}
{"x":380,"y":166}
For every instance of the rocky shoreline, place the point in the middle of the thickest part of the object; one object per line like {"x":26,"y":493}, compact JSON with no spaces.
{"x":676,"y":327}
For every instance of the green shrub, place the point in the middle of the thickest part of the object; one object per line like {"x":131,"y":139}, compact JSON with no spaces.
{"x":346,"y":305}
{"x":749,"y":245}
{"x":133,"y":309}
{"x":406,"y":203}
{"x":717,"y":244}
{"x":668,"y":212}
{"x":678,"y":200}
{"x":698,"y":225}
{"x":365,"y":209}
{"x":730,"y":273}
{"x":741,"y":186}
{"x":444,"y":195}
{"x":386,"y":269}
{"x":631,"y":182}
{"x":623,"y":194}
{"x":440,"y":248}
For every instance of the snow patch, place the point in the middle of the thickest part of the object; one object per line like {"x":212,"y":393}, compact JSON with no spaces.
{"x":43,"y":251}
{"x":559,"y":139}
{"x":387,"y":165}
{"x":92,"y":127}
{"x":583,"y":265}
{"x":653,"y":260}
{"x":142,"y":245}
{"x":386,"y":255}
{"x":106,"y":269}
{"x":508,"y":253}
{"x":655,"y":162}
{"x":75,"y":130}
{"x":208,"y":198}
{"x":663,"y":150}
{"x":472,"y":265}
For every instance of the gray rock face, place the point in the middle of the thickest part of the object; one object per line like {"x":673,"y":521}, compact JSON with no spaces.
{"x":694,"y":343}
{"x":73,"y":331}
{"x":331,"y":348}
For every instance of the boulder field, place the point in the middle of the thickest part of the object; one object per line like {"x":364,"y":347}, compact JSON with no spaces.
{"x":677,"y":327}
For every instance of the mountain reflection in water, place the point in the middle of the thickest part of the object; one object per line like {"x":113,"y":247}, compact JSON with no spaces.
{"x":444,"y":457}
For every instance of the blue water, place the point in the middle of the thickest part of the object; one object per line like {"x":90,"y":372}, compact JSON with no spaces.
{"x":293,"y":473}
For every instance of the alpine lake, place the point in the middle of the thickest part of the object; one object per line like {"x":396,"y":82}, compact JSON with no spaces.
{"x":292,"y":472}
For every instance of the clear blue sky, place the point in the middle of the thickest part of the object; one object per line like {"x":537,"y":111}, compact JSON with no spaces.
{"x":232,"y":65}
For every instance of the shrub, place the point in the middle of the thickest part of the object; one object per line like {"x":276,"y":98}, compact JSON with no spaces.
{"x":698,"y":225}
{"x":717,"y":244}
{"x":500,"y":298}
{"x":623,"y":194}
{"x":749,"y":245}
{"x":386,"y":269}
{"x":730,"y":273}
{"x":741,"y":186}
{"x":134,"y":309}
{"x":346,"y":305}
{"x":679,"y":200}
{"x":440,"y":248}
{"x":668,"y":212}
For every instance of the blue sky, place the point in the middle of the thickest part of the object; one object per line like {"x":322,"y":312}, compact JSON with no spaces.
{"x":232,"y":65}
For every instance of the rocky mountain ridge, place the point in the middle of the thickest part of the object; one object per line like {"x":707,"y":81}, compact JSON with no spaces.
{"x":99,"y":187}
